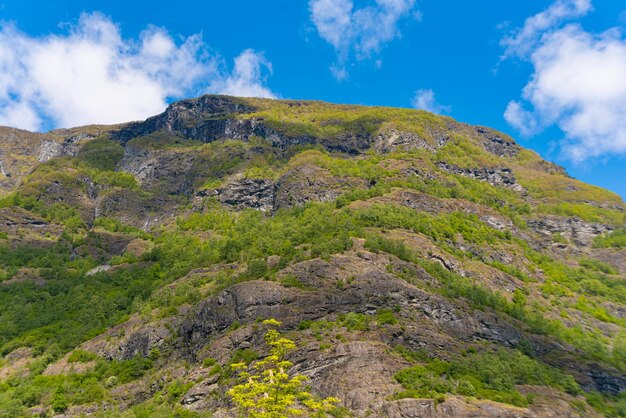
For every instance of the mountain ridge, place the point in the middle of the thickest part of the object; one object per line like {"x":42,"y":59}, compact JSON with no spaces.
{"x":446,"y":252}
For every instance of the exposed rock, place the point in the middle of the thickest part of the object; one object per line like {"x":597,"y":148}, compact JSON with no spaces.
{"x":3,"y":170}
{"x":101,"y":245}
{"x":16,"y":363}
{"x":133,"y":208}
{"x":435,"y":205}
{"x":68,"y":147}
{"x":14,"y":218}
{"x":198,"y":398}
{"x":18,"y":155}
{"x":76,"y":192}
{"x":618,"y":206}
{"x":389,"y":140}
{"x":365,"y":368}
{"x":498,"y":144}
{"x":311,"y":183}
{"x":210,"y":118}
{"x":83,"y":410}
{"x":138,"y":247}
{"x":248,"y":193}
{"x":615,"y":257}
{"x":453,"y":407}
{"x":139,"y":162}
{"x":38,"y":411}
{"x":548,"y":404}
{"x":63,"y":366}
{"x":497,"y":176}
{"x":99,"y":269}
{"x":25,"y":228}
{"x":409,"y":408}
{"x":132,"y":338}
{"x":204,"y":118}
{"x":594,"y":377}
{"x":576,"y":230}
{"x":209,"y":316}
{"x":296,"y":187}
{"x":370,"y":287}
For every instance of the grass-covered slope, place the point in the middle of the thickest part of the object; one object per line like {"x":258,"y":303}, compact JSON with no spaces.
{"x":407,"y":255}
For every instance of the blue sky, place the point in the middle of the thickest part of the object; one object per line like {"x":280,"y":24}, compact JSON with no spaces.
{"x":470,"y":60}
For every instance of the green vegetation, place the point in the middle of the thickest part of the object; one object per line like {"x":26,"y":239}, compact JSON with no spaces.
{"x":564,"y":196}
{"x":483,"y":375}
{"x":63,"y":391}
{"x":101,"y":153}
{"x":441,"y":228}
{"x":163,"y":140}
{"x":299,"y":233}
{"x":615,"y":239}
{"x":50,"y":304}
{"x":267,"y":390}
{"x":324,"y":120}
{"x":592,"y":344}
{"x":81,"y":356}
{"x":584,"y":211}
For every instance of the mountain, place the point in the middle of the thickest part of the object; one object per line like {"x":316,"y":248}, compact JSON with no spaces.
{"x":423,"y":267}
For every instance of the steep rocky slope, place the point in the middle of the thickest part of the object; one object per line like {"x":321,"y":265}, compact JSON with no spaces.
{"x":424,"y":267}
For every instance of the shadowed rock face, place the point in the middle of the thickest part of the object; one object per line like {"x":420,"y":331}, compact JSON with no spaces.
{"x":205,"y":119}
{"x":253,"y":193}
{"x":295,"y":188}
{"x":209,"y":118}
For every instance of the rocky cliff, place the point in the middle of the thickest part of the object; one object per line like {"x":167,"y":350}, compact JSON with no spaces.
{"x":424,"y":267}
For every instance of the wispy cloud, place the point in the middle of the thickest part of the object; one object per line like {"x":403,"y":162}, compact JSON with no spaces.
{"x":521,"y":41}
{"x":90,"y":74}
{"x":578,"y":83}
{"x":358,"y":33}
{"x":247,"y":78}
{"x":425,"y":100}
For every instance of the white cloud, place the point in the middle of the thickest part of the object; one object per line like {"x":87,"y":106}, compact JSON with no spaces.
{"x":520,"y":118}
{"x":358,"y":32}
{"x":247,"y":77}
{"x":425,"y":100}
{"x":333,"y":20}
{"x":92,"y":75}
{"x":521,"y":41}
{"x":579,"y":85}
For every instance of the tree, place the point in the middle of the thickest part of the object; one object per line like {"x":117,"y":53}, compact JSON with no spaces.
{"x":266,"y":389}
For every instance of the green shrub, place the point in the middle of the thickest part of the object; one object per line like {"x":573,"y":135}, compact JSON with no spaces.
{"x":290,"y":280}
{"x":615,"y":239}
{"x":246,"y":355}
{"x":597,"y":266}
{"x":59,"y":403}
{"x":81,"y":356}
{"x":101,"y":153}
{"x":386,"y":317}
{"x":355,"y":321}
{"x":257,"y":268}
{"x":209,"y":362}
{"x":485,"y":375}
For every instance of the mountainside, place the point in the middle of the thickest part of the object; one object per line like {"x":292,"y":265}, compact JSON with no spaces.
{"x":422,"y":266}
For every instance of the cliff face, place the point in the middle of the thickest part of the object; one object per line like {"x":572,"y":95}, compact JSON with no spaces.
{"x":424,"y":267}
